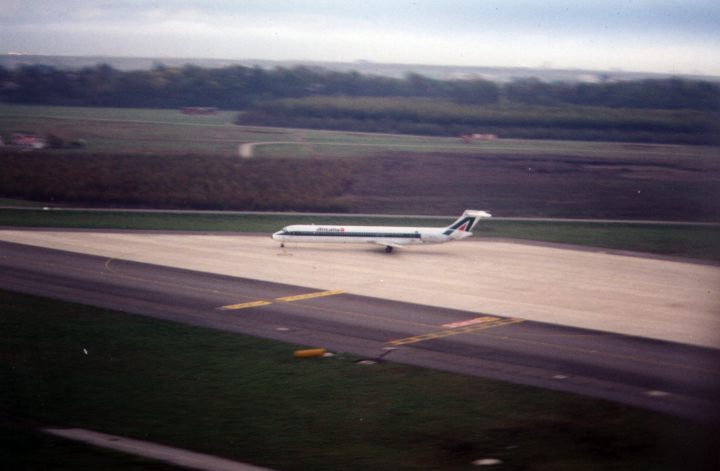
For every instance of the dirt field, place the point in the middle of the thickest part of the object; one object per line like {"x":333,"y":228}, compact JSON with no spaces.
{"x":646,"y":186}
{"x":643,"y":186}
{"x":632,"y":295}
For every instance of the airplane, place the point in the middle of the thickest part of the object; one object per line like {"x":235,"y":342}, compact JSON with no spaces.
{"x":388,"y":236}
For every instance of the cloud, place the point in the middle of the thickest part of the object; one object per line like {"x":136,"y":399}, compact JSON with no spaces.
{"x":647,"y":34}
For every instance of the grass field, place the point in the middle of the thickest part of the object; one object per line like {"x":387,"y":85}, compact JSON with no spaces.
{"x":248,"y":399}
{"x":168,"y":132}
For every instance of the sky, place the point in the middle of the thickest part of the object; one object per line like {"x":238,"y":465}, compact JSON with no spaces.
{"x":665,"y":36}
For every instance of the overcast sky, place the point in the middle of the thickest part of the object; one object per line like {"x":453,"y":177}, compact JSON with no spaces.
{"x":669,"y":36}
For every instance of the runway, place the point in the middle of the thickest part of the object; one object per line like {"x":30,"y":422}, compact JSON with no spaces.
{"x":670,"y":377}
{"x":642,"y":296}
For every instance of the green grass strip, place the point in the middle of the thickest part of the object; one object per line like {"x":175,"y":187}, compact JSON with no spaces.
{"x":691,"y":241}
{"x":69,"y":365}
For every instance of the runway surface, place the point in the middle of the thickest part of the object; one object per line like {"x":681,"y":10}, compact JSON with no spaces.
{"x":671,"y":377}
{"x":648,"y":297}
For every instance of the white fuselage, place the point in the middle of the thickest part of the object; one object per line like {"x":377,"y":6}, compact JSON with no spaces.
{"x":381,"y":235}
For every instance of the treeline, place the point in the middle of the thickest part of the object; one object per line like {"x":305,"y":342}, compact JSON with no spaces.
{"x":175,"y":182}
{"x":445,"y":118}
{"x":238,"y":87}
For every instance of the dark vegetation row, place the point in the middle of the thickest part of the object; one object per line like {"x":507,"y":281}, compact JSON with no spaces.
{"x":445,"y":118}
{"x":643,"y":187}
{"x":237,"y":87}
{"x":668,"y":111}
{"x":640,"y":187}
{"x":174,"y":182}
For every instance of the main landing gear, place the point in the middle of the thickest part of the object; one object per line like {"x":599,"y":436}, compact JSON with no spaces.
{"x":388,"y":249}
{"x":283,"y":251}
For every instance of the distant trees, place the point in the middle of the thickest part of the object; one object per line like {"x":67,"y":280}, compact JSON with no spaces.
{"x":669,"y":110}
{"x":670,"y":94}
{"x":237,"y":87}
{"x":445,"y":118}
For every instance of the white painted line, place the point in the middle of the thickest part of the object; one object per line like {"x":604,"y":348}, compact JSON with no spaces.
{"x":234,"y":307}
{"x":176,"y":456}
{"x":477,"y":320}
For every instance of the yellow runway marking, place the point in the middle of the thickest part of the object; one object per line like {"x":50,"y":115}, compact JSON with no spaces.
{"x":232,"y":307}
{"x":286,"y":299}
{"x":486,"y":324}
{"x":319,"y":294}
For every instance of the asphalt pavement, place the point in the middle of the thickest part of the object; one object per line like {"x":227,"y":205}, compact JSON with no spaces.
{"x":664,"y":376}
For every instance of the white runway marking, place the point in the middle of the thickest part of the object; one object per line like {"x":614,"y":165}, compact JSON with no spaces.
{"x":176,"y":456}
